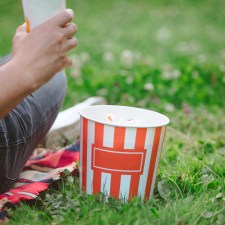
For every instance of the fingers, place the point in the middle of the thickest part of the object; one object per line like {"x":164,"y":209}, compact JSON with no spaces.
{"x":69,"y":44}
{"x":70,"y":30}
{"x":68,"y":63}
{"x":63,"y":18}
{"x":69,"y":41}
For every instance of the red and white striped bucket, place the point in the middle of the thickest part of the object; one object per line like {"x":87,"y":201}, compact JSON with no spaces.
{"x":120,"y":161}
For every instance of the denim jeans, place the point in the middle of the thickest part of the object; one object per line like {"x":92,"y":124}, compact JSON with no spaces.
{"x":26,"y":126}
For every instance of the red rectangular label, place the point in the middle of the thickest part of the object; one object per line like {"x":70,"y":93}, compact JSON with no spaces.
{"x":127,"y":161}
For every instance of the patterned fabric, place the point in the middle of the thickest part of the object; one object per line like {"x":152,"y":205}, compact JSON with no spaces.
{"x":44,"y":167}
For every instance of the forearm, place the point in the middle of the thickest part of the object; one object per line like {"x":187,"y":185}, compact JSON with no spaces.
{"x":14,"y":86}
{"x":37,"y":57}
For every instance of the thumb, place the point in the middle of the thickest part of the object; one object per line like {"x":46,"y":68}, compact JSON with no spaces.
{"x":22,"y":28}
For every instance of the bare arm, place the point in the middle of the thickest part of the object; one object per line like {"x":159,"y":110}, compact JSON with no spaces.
{"x":37,"y":57}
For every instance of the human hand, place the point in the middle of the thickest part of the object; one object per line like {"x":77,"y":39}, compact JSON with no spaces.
{"x":43,"y":52}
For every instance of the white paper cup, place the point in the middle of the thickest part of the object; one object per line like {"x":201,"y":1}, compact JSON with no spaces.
{"x":120,"y":160}
{"x":38,"y":11}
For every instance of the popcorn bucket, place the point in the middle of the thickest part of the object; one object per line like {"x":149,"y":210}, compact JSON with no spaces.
{"x":38,"y":11}
{"x":120,"y":150}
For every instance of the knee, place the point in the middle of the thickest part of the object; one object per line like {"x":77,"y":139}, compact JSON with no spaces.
{"x":60,"y":83}
{"x":60,"y":87}
{"x":53,"y":92}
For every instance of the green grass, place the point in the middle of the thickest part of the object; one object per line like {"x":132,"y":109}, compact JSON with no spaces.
{"x":163,"y":55}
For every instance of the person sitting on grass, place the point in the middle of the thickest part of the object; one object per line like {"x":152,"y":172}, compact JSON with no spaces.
{"x":32,"y":90}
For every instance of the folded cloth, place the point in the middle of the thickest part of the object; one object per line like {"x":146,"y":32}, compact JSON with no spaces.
{"x":44,"y":167}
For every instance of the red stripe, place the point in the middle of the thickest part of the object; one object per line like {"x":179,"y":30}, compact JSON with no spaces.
{"x":34,"y":188}
{"x":96,"y":181}
{"x":153,"y":160}
{"x":134,"y":183}
{"x":84,"y":154}
{"x":140,"y":138}
{"x":115,"y":185}
{"x":98,"y":141}
{"x":139,"y":145}
{"x":99,"y":133}
{"x":119,"y":137}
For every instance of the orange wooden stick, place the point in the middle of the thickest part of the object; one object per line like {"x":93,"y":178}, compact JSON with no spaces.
{"x":28,"y":25}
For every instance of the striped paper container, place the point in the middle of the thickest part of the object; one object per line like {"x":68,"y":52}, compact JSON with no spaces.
{"x":120,"y":161}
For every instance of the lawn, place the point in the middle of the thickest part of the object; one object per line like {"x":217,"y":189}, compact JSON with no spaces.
{"x":167,"y":56}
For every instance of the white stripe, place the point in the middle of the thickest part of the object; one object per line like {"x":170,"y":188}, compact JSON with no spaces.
{"x":108,"y":141}
{"x":105,"y":183}
{"x":129,"y":143}
{"x":125,"y":186}
{"x":157,"y":160}
{"x":148,"y":146}
{"x":108,"y":136}
{"x":9,"y":193}
{"x":81,"y":152}
{"x":27,"y":194}
{"x":130,"y":137}
{"x":90,"y":137}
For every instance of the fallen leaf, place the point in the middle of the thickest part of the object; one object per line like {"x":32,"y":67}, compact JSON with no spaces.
{"x":70,"y":179}
{"x":188,"y":200}
{"x":164,"y":189}
{"x":221,"y":150}
{"x":207,"y":179}
{"x":219,"y":195}
{"x":208,"y":215}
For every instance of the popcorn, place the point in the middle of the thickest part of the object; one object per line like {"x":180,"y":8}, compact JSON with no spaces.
{"x":110,"y":117}
{"x":122,"y":121}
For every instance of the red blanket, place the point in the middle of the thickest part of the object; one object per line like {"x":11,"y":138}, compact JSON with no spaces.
{"x":41,"y":170}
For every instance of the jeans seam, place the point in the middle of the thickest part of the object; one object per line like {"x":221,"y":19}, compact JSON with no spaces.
{"x":12,"y":179}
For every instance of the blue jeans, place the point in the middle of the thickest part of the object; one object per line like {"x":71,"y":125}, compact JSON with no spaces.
{"x":26,"y":126}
